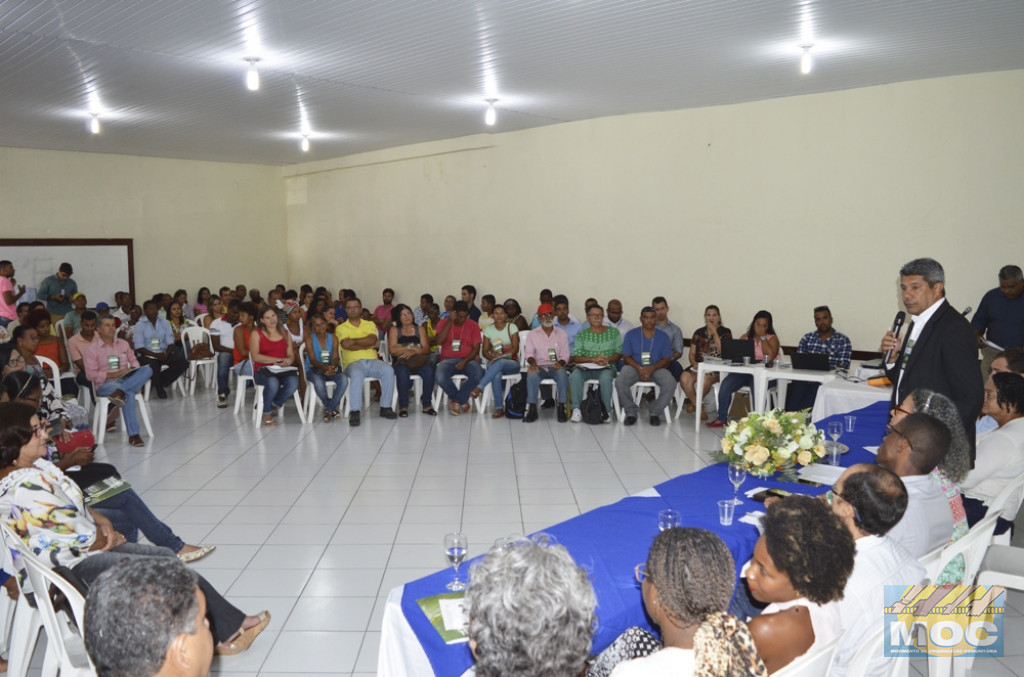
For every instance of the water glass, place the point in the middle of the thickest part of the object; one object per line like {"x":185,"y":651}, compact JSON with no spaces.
{"x":668,"y":519}
{"x":746,"y":360}
{"x":851,"y":421}
{"x":726,"y":508}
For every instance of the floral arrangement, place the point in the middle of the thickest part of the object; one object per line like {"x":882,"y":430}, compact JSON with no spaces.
{"x":778,"y":441}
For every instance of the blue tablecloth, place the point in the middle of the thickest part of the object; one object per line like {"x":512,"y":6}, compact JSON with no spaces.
{"x":610,"y":541}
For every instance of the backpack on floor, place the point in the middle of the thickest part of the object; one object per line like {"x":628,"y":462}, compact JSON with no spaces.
{"x":593,"y":409}
{"x":515,"y":402}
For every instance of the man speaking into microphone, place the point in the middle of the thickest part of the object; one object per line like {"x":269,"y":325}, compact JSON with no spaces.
{"x":938,"y":350}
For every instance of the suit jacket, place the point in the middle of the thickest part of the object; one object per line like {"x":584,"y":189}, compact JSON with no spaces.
{"x":944,"y":359}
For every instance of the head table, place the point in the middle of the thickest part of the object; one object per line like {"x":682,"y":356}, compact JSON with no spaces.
{"x":608,"y":543}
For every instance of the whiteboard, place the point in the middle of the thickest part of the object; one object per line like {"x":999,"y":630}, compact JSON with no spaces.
{"x":101,"y":266}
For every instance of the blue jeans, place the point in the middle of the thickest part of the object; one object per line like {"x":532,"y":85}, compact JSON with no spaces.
{"x":404,"y":377}
{"x":130,"y":515}
{"x":130,"y":385}
{"x":277,"y":388}
{"x":533,"y":380}
{"x":225,"y":618}
{"x":319,"y":380}
{"x":224,"y":363}
{"x":492,"y":377}
{"x":730,"y":384}
{"x":446,"y":369}
{"x":359,"y":371}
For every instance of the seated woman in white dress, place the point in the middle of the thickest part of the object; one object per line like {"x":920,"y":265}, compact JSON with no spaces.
{"x":800,"y":565}
{"x":686,"y":586}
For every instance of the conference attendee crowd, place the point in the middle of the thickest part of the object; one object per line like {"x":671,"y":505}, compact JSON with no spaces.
{"x":954,"y":444}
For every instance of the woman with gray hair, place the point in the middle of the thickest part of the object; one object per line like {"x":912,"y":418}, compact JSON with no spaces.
{"x":531,"y":611}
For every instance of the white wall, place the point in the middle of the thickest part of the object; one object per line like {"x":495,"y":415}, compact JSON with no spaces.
{"x":194,"y":223}
{"x":781,"y":204}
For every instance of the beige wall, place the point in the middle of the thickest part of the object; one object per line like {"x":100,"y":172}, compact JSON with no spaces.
{"x":186,"y":217}
{"x":781,"y":204}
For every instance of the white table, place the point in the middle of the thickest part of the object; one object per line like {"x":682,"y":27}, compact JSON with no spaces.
{"x":840,"y":395}
{"x":757,"y":370}
{"x":762,"y":377}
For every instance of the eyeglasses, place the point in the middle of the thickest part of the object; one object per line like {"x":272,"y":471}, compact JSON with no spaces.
{"x":892,"y":429}
{"x":40,"y":430}
{"x":14,"y":361}
{"x":640,"y":572}
{"x":901,"y":410}
{"x":833,"y":493}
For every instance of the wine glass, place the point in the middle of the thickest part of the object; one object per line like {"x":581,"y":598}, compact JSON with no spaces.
{"x":456,"y":545}
{"x":737,"y":475}
{"x":835,"y":431}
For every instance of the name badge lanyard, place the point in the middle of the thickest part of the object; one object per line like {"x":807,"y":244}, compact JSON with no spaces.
{"x":645,"y":355}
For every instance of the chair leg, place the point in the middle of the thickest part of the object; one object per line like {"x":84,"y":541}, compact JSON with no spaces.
{"x":99,"y":424}
{"x":257,"y":407}
{"x":143,"y":414}
{"x":298,"y":405}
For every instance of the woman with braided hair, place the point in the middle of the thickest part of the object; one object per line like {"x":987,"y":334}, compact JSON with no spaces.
{"x":686,"y":585}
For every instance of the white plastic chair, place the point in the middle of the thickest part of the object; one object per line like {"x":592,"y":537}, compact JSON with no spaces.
{"x":47,"y":363}
{"x":257,"y":407}
{"x":366,"y":395}
{"x":811,"y":665}
{"x":872,"y":648}
{"x":1011,"y":495}
{"x":99,"y":417}
{"x":23,"y":624}
{"x":241,"y":382}
{"x":200,"y":318}
{"x":64,"y":637}
{"x":1003,"y":565}
{"x":192,"y":336}
{"x":636,"y":392}
{"x":179,"y":383}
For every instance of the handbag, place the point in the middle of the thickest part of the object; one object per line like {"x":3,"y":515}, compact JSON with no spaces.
{"x":415,"y":362}
{"x":200,"y":351}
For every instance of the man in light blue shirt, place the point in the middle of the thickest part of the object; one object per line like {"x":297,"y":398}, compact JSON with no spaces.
{"x":154,"y":346}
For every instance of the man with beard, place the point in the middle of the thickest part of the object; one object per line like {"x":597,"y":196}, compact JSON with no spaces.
{"x":547,"y":352}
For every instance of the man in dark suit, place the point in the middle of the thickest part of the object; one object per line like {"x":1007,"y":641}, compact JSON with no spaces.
{"x":940,"y":352}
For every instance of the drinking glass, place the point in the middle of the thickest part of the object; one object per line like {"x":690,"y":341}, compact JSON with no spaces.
{"x":851,"y":422}
{"x":668,"y":519}
{"x":737,"y":475}
{"x":835,"y":431}
{"x":456,"y":545}
{"x":726,"y":508}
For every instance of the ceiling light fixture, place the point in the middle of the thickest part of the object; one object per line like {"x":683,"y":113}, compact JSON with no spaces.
{"x":252,"y":77}
{"x":491,"y":116}
{"x":94,"y":123}
{"x":304,"y":144}
{"x":806,"y":61}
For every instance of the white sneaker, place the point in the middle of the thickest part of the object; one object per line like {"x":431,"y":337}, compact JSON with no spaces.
{"x":577,"y":416}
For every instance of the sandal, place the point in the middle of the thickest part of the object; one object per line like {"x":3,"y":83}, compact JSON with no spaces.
{"x":498,"y":413}
{"x":476,"y":393}
{"x":243,"y":640}
{"x":403,"y":413}
{"x":429,"y":411}
{"x":268,"y":419}
{"x":454,"y":408}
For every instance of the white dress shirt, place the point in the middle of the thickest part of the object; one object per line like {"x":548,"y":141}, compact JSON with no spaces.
{"x":1000,"y":460}
{"x":928,"y":522}
{"x":879,"y":561}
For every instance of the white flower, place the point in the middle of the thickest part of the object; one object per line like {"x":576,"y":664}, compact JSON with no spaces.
{"x":806,"y":441}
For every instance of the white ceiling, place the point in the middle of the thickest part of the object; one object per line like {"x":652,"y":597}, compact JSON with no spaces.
{"x":375,"y":74}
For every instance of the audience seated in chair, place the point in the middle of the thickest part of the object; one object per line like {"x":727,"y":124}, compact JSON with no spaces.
{"x":766,"y":346}
{"x":501,"y":349}
{"x":531,"y":611}
{"x":547,"y":353}
{"x":359,"y":342}
{"x":646,"y":354}
{"x":706,"y":342}
{"x":595,"y":354}
{"x":115,"y":373}
{"x":459,"y":338}
{"x":155,"y":347}
{"x":869,"y":500}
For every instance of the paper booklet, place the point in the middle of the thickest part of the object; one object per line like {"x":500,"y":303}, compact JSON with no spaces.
{"x":448,"y":615}
{"x":104,"y":489}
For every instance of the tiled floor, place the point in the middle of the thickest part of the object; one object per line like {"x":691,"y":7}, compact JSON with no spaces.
{"x":317,"y":523}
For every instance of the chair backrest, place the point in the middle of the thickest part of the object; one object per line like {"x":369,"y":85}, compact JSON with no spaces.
{"x":811,"y":664}
{"x":1007,"y":503}
{"x":191,"y":336}
{"x":972,"y":547}
{"x":62,"y":630}
{"x":869,"y":650}
{"x":200,"y":318}
{"x":55,"y":370}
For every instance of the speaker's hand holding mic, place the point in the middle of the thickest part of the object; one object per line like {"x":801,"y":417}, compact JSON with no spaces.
{"x":892,"y":339}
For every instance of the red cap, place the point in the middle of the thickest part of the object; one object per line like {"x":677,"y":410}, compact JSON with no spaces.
{"x":544,"y":309}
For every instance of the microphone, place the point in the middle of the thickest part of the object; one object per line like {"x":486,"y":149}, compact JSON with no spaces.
{"x":897,"y":324}
{"x":966,"y":310}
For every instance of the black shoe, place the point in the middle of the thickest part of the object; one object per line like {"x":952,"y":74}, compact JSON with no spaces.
{"x":630,"y":420}
{"x":222,"y":401}
{"x":531,"y":413}
{"x":388,"y":413}
{"x":548,"y":404}
{"x":655,"y":421}
{"x":353,"y":419}
{"x":562,"y":418}
{"x":161,"y":392}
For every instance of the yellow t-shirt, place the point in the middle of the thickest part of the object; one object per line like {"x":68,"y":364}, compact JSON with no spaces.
{"x":346,"y":330}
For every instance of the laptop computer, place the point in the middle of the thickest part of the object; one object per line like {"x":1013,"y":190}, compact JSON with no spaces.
{"x":735,"y":350}
{"x":811,"y":361}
